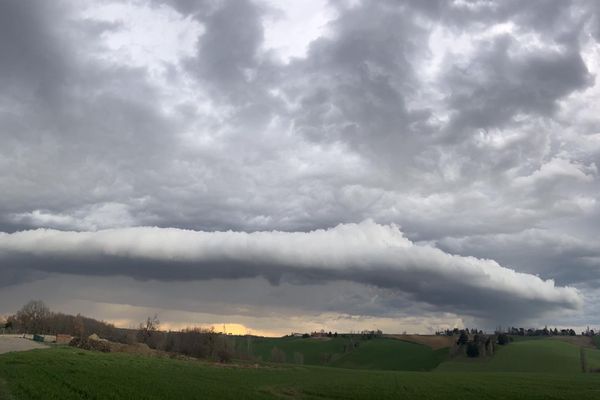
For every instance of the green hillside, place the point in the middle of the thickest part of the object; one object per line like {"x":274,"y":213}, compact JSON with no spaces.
{"x":378,"y":353}
{"x":544,"y":355}
{"x":69,"y":374}
{"x":314,"y":351}
{"x":392,"y":354}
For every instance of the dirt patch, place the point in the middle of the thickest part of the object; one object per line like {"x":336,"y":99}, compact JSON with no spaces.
{"x":433,"y":341}
{"x":10,"y":343}
{"x":96,"y":343}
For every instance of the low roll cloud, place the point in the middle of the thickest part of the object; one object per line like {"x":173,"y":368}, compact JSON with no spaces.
{"x":367,"y":253}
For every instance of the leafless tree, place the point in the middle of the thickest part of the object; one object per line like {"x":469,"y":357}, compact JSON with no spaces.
{"x":148,"y":327}
{"x":79,"y":326}
{"x":33,"y":316}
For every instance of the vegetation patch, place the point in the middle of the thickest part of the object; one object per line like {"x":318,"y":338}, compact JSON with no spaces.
{"x":61,"y":373}
{"x":4,"y":392}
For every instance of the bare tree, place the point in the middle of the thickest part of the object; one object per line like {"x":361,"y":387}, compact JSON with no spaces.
{"x":79,"y":326}
{"x":148,"y":327}
{"x":33,"y":316}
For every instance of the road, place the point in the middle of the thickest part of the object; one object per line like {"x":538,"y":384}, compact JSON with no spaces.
{"x":10,"y":343}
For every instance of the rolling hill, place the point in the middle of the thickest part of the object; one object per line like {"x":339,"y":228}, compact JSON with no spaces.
{"x":377,"y":353}
{"x":541,"y":355}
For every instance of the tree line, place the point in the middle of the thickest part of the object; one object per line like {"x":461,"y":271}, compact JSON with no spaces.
{"x":36,"y":318}
{"x":514,"y":331}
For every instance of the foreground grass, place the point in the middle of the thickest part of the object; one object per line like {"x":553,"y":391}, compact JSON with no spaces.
{"x":378,"y":353}
{"x":65,"y":373}
{"x":541,"y":355}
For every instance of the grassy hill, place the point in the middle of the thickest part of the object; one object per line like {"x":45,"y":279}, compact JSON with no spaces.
{"x":392,"y":354}
{"x":541,"y":355}
{"x":377,"y":353}
{"x":67,"y":373}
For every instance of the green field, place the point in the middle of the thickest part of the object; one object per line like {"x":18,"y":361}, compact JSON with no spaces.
{"x":377,"y":353}
{"x":542,"y":355}
{"x":67,"y":373}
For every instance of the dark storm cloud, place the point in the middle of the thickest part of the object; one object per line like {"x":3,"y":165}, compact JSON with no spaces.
{"x":228,"y":50}
{"x":33,"y":61}
{"x":490,"y":89}
{"x":463,"y":122}
{"x":566,"y":259}
{"x":353,"y":86}
{"x":85,"y":128}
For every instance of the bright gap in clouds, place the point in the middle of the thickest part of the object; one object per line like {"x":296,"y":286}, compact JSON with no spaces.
{"x":291,"y":26}
{"x":142,"y":35}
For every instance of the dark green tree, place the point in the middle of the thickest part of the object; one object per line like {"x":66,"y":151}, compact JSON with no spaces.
{"x":503,"y":339}
{"x":472,"y":350}
{"x":463,"y":338}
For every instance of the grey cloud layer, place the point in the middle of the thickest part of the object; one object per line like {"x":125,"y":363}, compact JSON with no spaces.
{"x":352,"y":131}
{"x":470,"y":124}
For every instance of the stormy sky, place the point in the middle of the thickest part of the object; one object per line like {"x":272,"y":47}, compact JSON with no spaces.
{"x":281,"y":166}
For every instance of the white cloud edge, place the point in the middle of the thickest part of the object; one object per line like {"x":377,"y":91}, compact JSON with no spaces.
{"x":367,"y":248}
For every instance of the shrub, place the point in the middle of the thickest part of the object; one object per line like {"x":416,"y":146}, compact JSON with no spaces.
{"x":224,"y":355}
{"x":472,"y":350}
{"x":503,"y":339}
{"x":87,"y":344}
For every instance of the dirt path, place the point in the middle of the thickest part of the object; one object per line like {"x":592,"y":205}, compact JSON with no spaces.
{"x":10,"y":343}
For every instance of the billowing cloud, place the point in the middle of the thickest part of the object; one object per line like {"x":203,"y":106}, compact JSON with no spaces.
{"x":365,"y":253}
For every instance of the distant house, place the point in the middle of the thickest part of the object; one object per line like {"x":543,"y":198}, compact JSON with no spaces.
{"x":296,"y":334}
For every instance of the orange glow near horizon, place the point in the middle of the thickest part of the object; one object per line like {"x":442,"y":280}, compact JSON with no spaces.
{"x":228,"y":328}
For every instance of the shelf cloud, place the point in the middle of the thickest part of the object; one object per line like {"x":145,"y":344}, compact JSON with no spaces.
{"x":366,"y":253}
